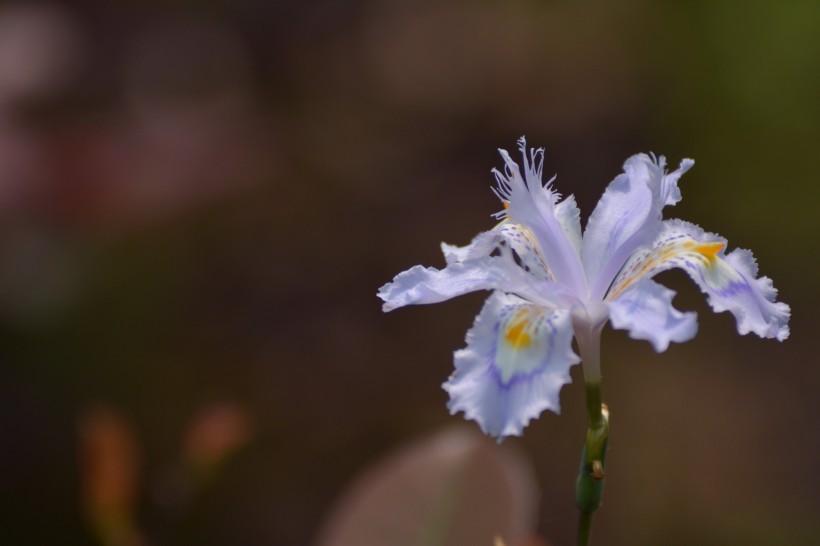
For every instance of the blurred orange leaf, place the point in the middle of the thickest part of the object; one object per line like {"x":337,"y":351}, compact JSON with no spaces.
{"x":109,"y":475}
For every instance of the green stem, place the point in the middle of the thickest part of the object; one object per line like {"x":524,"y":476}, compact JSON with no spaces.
{"x":589,"y":487}
{"x":595,"y":405}
{"x":584,"y":523}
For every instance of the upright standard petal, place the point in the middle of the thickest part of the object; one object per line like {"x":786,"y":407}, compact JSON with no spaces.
{"x":645,"y":310}
{"x":531,"y":203}
{"x":569,"y":218}
{"x":627,"y":217}
{"x":729,"y":280}
{"x":517,"y":358}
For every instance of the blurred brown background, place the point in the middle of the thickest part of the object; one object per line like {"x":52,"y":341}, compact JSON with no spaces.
{"x":199,"y":200}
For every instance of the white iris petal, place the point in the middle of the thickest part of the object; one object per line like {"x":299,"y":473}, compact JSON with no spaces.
{"x":543,"y":272}
{"x":517,"y":359}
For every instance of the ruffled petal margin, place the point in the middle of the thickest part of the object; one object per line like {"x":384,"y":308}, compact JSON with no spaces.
{"x":421,"y":285}
{"x":729,"y":281}
{"x":646,"y":311}
{"x":517,"y":358}
{"x":487,"y":263}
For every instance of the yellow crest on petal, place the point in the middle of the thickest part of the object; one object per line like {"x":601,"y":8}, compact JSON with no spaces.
{"x":707,"y":250}
{"x":515,"y":333}
{"x":659,"y":257}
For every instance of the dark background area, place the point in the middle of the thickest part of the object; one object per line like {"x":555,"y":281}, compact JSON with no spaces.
{"x":199,"y":200}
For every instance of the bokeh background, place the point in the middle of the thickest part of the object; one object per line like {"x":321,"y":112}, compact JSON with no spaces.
{"x":199,"y":200}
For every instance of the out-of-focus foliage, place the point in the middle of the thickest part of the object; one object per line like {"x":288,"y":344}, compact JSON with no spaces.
{"x":198,"y":201}
{"x":109,"y":462}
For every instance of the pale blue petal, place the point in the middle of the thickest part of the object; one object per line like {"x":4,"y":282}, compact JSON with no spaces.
{"x":521,"y":240}
{"x":525,"y":270}
{"x":729,"y":280}
{"x":646,"y":311}
{"x":420,"y":285}
{"x":482,"y":245}
{"x":627,"y":217}
{"x":474,"y":267}
{"x":517,"y":359}
{"x":531,"y":203}
{"x":751,"y":299}
{"x":569,"y":218}
{"x":526,"y":248}
{"x":670,"y":192}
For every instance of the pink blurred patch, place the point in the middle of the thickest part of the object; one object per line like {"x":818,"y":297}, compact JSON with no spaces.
{"x":456,"y":488}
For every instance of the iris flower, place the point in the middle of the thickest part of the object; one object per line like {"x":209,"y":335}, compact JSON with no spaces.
{"x":551,"y":283}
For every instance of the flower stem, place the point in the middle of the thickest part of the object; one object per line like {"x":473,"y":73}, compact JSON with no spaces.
{"x":589,"y":487}
{"x":584,"y":524}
